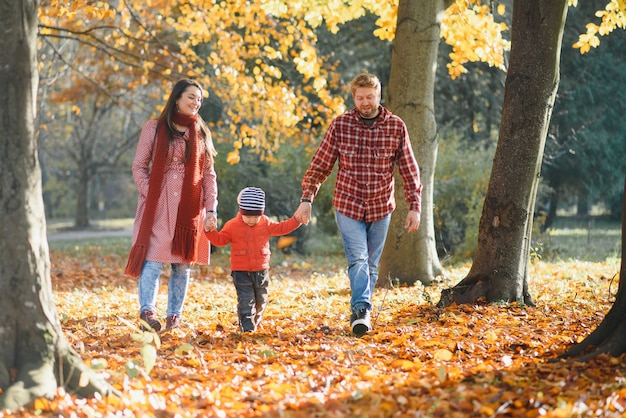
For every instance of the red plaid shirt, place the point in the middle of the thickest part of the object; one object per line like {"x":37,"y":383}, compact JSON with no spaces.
{"x":364,"y":189}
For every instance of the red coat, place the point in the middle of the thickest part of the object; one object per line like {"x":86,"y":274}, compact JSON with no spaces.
{"x":160,"y":247}
{"x":250,"y":245}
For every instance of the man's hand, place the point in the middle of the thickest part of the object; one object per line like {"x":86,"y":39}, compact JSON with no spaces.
{"x":303,"y":213}
{"x":412,"y":221}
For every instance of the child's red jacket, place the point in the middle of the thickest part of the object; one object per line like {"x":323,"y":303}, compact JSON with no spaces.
{"x":250,"y":245}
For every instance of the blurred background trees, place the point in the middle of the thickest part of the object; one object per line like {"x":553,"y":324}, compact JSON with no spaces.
{"x":275,"y":82}
{"x":584,"y":160}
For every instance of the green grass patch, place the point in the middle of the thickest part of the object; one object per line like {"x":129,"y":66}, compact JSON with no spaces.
{"x":589,"y":245}
{"x":573,"y":238}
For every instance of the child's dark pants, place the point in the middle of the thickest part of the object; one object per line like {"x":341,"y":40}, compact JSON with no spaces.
{"x":252,"y":297}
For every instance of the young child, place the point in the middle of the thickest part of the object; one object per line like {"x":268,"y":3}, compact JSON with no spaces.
{"x":249,"y":235}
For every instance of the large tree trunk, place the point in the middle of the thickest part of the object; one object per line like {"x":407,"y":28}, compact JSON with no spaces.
{"x":499,"y":271}
{"x":34,"y":355}
{"x":610,"y":335}
{"x":411,"y":258}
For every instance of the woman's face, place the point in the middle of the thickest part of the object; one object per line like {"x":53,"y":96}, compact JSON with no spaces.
{"x":190,"y":101}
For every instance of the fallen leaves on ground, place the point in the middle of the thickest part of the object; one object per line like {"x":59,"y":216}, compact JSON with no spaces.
{"x":419,"y":361}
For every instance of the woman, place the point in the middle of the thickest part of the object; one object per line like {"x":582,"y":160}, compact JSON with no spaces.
{"x":175,"y":176}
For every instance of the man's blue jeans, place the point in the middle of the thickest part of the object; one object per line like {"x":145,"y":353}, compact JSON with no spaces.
{"x":363,"y":244}
{"x":176,"y":289}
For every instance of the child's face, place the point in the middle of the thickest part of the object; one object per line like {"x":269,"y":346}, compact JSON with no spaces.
{"x":251,"y":220}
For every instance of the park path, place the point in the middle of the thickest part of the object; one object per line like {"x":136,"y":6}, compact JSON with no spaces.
{"x":88,"y":233}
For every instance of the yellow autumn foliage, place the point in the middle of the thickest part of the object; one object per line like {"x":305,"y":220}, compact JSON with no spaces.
{"x":247,"y":53}
{"x":611,"y":18}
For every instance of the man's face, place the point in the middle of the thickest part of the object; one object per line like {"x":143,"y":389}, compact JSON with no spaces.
{"x":366,"y":101}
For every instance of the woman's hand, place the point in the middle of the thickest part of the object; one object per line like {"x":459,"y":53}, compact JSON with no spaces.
{"x":210,"y":222}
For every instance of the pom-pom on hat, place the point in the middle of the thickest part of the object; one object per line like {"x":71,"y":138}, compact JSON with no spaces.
{"x":251,"y":201}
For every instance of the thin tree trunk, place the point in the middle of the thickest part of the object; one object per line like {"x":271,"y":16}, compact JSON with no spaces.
{"x":35,"y":357}
{"x":82,"y":197}
{"x":499,"y":271}
{"x":411,"y":258}
{"x":553,"y":203}
{"x":582,"y":202}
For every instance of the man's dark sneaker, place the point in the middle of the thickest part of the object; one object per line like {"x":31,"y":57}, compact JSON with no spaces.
{"x":172,"y":321}
{"x":360,"y":322}
{"x":150,"y":318}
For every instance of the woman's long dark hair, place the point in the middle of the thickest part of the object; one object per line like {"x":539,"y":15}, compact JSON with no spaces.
{"x":170,"y":109}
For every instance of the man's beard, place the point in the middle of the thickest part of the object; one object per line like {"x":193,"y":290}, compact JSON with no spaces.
{"x":370,"y":113}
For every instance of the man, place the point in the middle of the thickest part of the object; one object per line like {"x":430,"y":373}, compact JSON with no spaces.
{"x":369,"y":141}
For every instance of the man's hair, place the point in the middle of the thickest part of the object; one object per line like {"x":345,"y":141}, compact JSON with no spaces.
{"x":365,"y":80}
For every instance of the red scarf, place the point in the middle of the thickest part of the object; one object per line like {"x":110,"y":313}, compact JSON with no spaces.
{"x":187,"y":232}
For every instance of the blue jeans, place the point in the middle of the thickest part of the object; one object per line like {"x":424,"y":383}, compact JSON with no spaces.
{"x":363,"y":244}
{"x":176,"y":289}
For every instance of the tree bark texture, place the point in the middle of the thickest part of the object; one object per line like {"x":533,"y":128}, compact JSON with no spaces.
{"x":34,"y":355}
{"x":499,"y":271}
{"x":411,"y":258}
{"x":610,"y":335}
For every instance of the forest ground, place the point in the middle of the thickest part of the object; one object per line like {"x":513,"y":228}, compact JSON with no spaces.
{"x":419,"y":361}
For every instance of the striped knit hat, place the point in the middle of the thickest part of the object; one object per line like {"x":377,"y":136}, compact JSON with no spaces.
{"x":251,"y":201}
